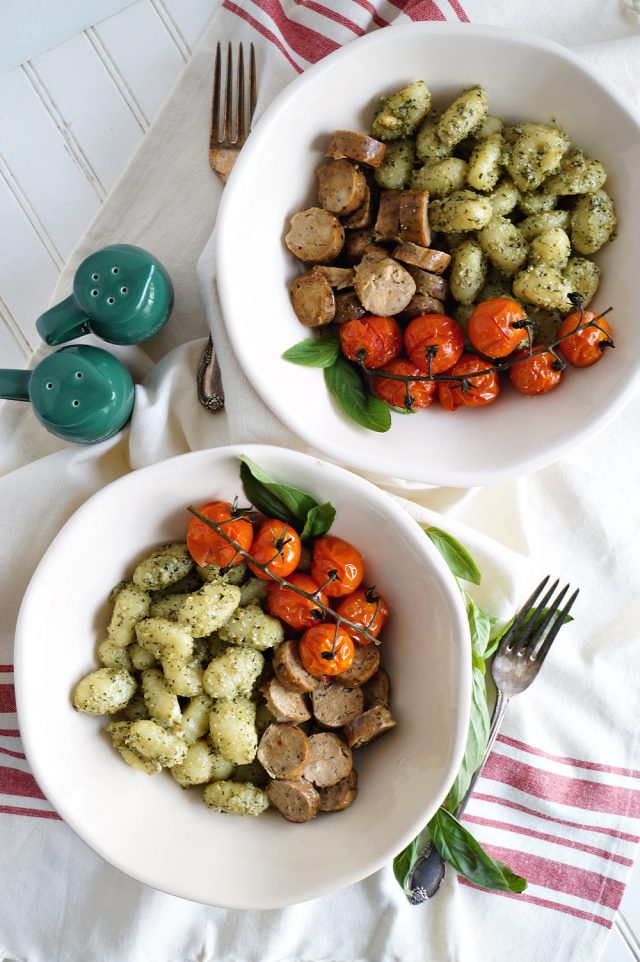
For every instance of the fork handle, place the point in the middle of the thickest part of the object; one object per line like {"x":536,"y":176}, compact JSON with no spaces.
{"x":428,"y":872}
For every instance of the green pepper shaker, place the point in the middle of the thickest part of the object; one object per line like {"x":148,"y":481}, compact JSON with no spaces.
{"x":79,"y":393}
{"x":121,"y":293}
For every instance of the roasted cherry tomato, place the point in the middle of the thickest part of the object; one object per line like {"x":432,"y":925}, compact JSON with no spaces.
{"x":367,"y":609}
{"x":326,"y":649}
{"x":206,"y":547}
{"x":400,"y":394}
{"x":536,"y":374}
{"x":589,"y":344}
{"x":277,"y":546}
{"x":371,"y":340}
{"x":474,"y":393}
{"x":335,"y":555}
{"x":294,"y":609}
{"x":491,"y":327}
{"x":440,"y":333}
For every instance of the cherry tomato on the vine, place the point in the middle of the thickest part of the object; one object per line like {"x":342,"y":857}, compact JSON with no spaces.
{"x":491,"y":327}
{"x":473,"y":392}
{"x":371,"y":340}
{"x":400,"y":394}
{"x":328,"y":640}
{"x":277,"y":546}
{"x":440,"y":333}
{"x":207,"y":547}
{"x":295,"y":610}
{"x":336,"y":566}
{"x":367,"y":609}
{"x":537,"y":373}
{"x":588,"y":345}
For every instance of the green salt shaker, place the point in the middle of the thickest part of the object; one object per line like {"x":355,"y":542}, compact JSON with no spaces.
{"x":78,"y":393}
{"x":120,"y":293}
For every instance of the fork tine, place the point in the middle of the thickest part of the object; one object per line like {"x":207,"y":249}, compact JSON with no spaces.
{"x":530,"y":630}
{"x":240,"y":137}
{"x":215,"y":106}
{"x":539,"y":627}
{"x":511,"y":633}
{"x":560,"y":619}
{"x":227,"y":119}
{"x":253,"y":84}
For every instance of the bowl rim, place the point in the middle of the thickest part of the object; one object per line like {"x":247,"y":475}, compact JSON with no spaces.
{"x":371,"y":461}
{"x":40,"y":766}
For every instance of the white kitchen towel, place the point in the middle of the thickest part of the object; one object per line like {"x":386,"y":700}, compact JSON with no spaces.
{"x":561,"y":797}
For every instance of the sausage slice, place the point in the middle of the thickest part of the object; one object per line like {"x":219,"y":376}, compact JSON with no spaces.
{"x":330,"y":760}
{"x":341,"y":187}
{"x":368,"y":726}
{"x":348,"y":308}
{"x":387,"y":225}
{"x":422,"y":304}
{"x":431,"y":284}
{"x":337,"y":797}
{"x":285,"y":705}
{"x":385,"y":287}
{"x":424,"y":257}
{"x":414,"y":217}
{"x":312,"y":299}
{"x":355,"y":243}
{"x":361,"y":217}
{"x":356,"y":146}
{"x":289,"y":669}
{"x":315,"y":236}
{"x":376,"y":691}
{"x":295,"y":798}
{"x":365,"y":664}
{"x":336,"y":705}
{"x":284,"y":751}
{"x":338,"y":277}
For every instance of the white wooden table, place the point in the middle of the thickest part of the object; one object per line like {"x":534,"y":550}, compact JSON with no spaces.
{"x":70,"y":119}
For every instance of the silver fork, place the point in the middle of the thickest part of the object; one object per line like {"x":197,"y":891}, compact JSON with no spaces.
{"x":229,"y":131}
{"x":516,"y":663}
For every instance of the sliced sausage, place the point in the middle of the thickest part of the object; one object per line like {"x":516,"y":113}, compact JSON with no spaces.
{"x":414,"y":217}
{"x":337,"y":797}
{"x":348,"y":308}
{"x":365,"y":664}
{"x":422,"y":304}
{"x":431,"y":284}
{"x":284,"y":751}
{"x":363,"y":216}
{"x":295,"y":798}
{"x":289,"y":669}
{"x":315,"y":236}
{"x":338,"y":277}
{"x":424,"y":257}
{"x":312,"y":299}
{"x":368,"y":726}
{"x":384,"y":287}
{"x":341,"y":187}
{"x":355,"y":243}
{"x":356,"y":146}
{"x":285,"y":705}
{"x":387,"y":225}
{"x":376,"y":691}
{"x":336,"y":705}
{"x":330,"y":760}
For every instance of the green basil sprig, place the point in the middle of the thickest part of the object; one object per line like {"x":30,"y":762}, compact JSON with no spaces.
{"x":460,"y":849}
{"x":350,"y":392}
{"x":320,"y":351}
{"x":457,"y":557}
{"x":279,"y":500}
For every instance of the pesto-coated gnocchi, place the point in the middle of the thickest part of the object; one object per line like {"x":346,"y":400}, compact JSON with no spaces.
{"x":429,"y":147}
{"x":129,"y":606}
{"x":160,"y":700}
{"x":250,"y":626}
{"x":165,"y":639}
{"x":462,"y":210}
{"x":201,"y":765}
{"x":504,"y":245}
{"x":583,"y":277}
{"x":233,"y":673}
{"x":441,"y":178}
{"x":153,"y":742}
{"x":396,"y":169}
{"x":544,"y":286}
{"x":401,"y":113}
{"x":485,"y":163}
{"x":468,"y":272}
{"x":195,"y":718}
{"x":464,"y":114}
{"x":505,"y":197}
{"x":593,"y":222}
{"x":104,"y":691}
{"x":232,"y":727}
{"x":235,"y":798}
{"x":536,"y":152}
{"x":163,"y":567}
{"x":551,"y":247}
{"x":208,"y":609}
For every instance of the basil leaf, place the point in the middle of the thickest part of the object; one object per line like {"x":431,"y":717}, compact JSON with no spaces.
{"x":262,"y":499}
{"x":457,"y":557}
{"x":460,"y":849}
{"x":403,"y":863}
{"x":320,"y":351}
{"x":479,"y":626}
{"x":296,"y":502}
{"x":318,"y":521}
{"x":347,"y":387}
{"x":477,"y":737}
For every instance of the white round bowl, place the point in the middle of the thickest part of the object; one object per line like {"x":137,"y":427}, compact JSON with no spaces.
{"x":526,"y":78}
{"x":166,"y":837}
